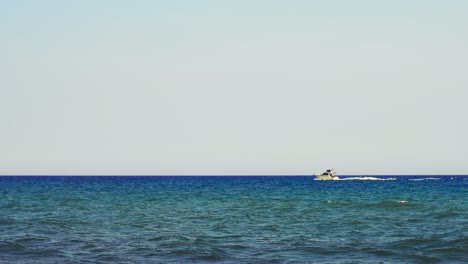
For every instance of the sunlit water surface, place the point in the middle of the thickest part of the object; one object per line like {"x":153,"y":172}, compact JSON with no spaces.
{"x":404,"y":219}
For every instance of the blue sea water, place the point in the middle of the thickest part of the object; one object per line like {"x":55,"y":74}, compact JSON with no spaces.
{"x":404,"y":219}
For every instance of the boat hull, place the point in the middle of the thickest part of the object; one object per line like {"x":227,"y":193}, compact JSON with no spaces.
{"x":325,"y":178}
{"x":328,"y":175}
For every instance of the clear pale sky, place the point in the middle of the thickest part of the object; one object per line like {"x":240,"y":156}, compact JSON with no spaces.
{"x":233,"y":87}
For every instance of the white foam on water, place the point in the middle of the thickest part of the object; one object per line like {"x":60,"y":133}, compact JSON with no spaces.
{"x":424,"y":179}
{"x":367,"y":178}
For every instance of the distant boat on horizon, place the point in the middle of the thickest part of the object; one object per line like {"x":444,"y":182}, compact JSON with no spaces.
{"x":327,"y":175}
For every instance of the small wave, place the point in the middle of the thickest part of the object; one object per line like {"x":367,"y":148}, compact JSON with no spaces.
{"x":11,"y":247}
{"x":367,"y":178}
{"x":386,"y":204}
{"x":425,"y":179}
{"x":6,"y":221}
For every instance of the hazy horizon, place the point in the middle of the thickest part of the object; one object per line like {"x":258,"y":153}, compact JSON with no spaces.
{"x":233,"y":88}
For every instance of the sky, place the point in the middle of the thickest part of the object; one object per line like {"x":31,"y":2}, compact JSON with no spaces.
{"x":246,"y":87}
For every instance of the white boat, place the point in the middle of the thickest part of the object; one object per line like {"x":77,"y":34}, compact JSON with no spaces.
{"x":327,"y":175}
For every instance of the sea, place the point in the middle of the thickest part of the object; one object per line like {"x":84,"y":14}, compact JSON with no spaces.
{"x":233,"y":219}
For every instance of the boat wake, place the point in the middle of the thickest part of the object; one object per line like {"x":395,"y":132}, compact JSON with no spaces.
{"x":366,"y":178}
{"x":425,"y":179}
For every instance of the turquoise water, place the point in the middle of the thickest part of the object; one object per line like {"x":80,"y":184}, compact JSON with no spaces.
{"x":233,"y":220}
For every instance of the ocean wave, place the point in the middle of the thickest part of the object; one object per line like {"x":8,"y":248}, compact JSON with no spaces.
{"x":367,"y":178}
{"x":425,"y":179}
{"x":384,"y":204}
{"x":234,"y":220}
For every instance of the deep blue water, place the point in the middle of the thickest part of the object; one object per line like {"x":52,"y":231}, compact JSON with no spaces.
{"x":227,"y":219}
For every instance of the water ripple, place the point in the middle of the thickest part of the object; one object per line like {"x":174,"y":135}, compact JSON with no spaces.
{"x":231,"y":220}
